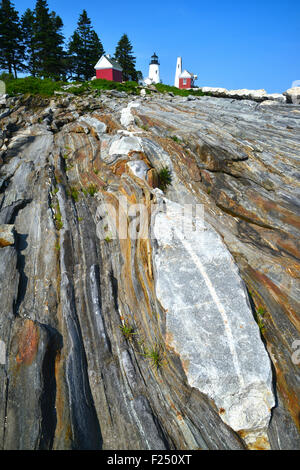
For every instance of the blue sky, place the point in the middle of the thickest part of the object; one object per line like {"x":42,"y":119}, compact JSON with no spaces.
{"x":231,"y":44}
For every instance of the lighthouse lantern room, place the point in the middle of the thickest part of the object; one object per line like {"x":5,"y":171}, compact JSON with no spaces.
{"x":154,"y":76}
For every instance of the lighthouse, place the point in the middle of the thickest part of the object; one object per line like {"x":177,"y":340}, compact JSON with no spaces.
{"x":153,"y":76}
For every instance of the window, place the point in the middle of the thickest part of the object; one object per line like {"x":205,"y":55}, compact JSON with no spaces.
{"x":184,"y":81}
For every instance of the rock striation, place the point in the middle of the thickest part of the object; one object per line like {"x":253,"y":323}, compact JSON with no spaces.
{"x":122,"y":331}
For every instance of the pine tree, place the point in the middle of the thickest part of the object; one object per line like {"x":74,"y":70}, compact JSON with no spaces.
{"x":11,"y":47}
{"x":48,"y":42}
{"x":28,"y":22}
{"x":85,"y":49}
{"x":124,"y":56}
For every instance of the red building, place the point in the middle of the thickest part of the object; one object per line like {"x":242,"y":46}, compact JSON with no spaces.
{"x":109,"y":69}
{"x":186,"y":80}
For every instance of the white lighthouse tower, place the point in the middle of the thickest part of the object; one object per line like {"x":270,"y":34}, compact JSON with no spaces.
{"x":153,"y":76}
{"x":178,"y":71}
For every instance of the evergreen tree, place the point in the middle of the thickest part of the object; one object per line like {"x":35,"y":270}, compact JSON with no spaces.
{"x":48,"y":42}
{"x":124,"y":56}
{"x":28,"y":25}
{"x":85,"y":49}
{"x":11,"y":47}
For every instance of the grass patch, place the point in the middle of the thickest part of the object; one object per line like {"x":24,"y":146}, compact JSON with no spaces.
{"x":259,"y":314}
{"x":58,"y":218}
{"x":92,"y":190}
{"x":164,"y":178}
{"x":127,"y":330}
{"x":32,"y":86}
{"x":129,"y":87}
{"x":78,"y":90}
{"x":176,"y":91}
{"x":74,"y":193}
{"x":155,"y":355}
{"x":46,"y":86}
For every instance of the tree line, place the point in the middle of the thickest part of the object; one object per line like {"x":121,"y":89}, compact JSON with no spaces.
{"x":34,"y":44}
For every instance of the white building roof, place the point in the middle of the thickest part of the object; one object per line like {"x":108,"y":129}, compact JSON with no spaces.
{"x":186,"y":74}
{"x":106,"y":62}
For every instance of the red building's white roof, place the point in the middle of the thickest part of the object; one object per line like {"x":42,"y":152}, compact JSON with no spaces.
{"x":106,"y":62}
{"x":186,"y":74}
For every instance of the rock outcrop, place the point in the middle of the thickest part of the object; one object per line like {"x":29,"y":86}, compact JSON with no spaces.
{"x":244,"y":94}
{"x":121,"y":330}
{"x":293,"y":95}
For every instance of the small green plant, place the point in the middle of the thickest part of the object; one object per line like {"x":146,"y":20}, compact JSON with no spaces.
{"x":155,"y":355}
{"x":127,"y":330}
{"x":176,"y":139}
{"x":58,"y":218}
{"x":145,"y":127}
{"x":260,"y":312}
{"x":92,"y":189}
{"x":74,"y":193}
{"x":108,"y":238}
{"x":165,"y":178}
{"x":96,"y":171}
{"x":70,"y":167}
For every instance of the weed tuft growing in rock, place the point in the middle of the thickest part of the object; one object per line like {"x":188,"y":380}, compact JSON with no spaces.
{"x":164,"y":178}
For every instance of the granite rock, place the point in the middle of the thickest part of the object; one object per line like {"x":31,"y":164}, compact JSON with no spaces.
{"x":209,"y":321}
